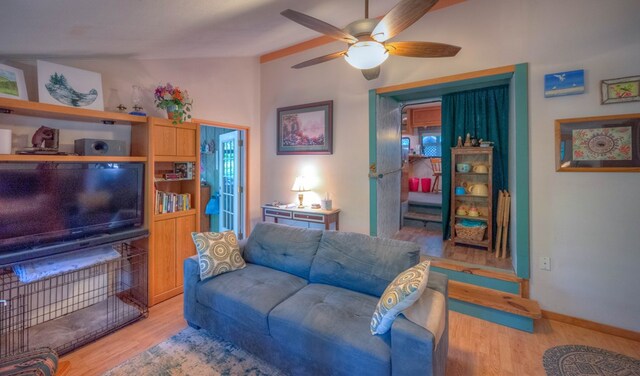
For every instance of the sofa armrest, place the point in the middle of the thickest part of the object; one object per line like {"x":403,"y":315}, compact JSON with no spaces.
{"x":242,"y":244}
{"x":191,"y":274}
{"x":413,"y":348}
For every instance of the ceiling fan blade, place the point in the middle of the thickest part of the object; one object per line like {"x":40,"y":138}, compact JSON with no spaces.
{"x":319,"y":26}
{"x":320,"y":59}
{"x":421,"y":49}
{"x":401,"y":17}
{"x":371,"y":74}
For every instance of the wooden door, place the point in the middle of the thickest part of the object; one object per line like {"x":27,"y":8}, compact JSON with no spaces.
{"x":164,"y":140}
{"x":185,"y":142}
{"x":184,"y":244}
{"x":164,"y":256}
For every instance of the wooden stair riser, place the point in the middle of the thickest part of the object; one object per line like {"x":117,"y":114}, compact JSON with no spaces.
{"x":492,"y":315}
{"x":494,"y":306}
{"x":512,"y":287}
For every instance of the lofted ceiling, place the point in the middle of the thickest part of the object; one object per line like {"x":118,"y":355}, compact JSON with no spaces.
{"x":163,"y":28}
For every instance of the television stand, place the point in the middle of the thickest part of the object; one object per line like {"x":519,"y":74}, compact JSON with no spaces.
{"x":34,"y":253}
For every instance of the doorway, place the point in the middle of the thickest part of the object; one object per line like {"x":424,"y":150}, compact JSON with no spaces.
{"x":382,"y":102}
{"x":223,"y":171}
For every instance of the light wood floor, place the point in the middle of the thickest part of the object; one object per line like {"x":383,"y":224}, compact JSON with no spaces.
{"x":431,"y":244}
{"x":476,"y":347}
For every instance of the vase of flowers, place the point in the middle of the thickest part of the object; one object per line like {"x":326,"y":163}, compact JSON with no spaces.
{"x":175,"y":101}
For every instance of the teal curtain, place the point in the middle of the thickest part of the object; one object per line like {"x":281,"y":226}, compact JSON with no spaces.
{"x":484,"y":113}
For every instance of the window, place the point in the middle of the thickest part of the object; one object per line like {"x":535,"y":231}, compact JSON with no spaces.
{"x":431,"y":141}
{"x":406,"y":147}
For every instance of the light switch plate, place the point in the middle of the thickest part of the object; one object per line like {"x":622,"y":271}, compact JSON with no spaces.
{"x":545,"y":263}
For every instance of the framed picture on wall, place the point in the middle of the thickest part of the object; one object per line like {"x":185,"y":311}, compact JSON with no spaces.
{"x":12,"y":83}
{"x":599,"y":143}
{"x":618,"y":90}
{"x":305,"y":129}
{"x":68,"y":86}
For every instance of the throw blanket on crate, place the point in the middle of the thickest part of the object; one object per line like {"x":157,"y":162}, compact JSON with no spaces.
{"x":55,"y":265}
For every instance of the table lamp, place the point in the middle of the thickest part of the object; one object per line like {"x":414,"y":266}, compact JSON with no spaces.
{"x":300,"y":185}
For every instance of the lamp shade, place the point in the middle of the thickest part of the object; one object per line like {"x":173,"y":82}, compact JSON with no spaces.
{"x":366,"y":55}
{"x":300,"y":185}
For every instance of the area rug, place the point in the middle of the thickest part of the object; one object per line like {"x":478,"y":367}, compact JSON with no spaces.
{"x":575,"y":360}
{"x":195,"y":352}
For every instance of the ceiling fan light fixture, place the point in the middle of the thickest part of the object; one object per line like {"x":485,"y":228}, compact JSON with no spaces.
{"x":366,"y":55}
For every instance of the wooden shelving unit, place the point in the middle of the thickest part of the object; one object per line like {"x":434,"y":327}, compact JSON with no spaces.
{"x":66,"y":158}
{"x":474,"y":156}
{"x":158,"y":143}
{"x":52,"y":111}
{"x":170,"y":240}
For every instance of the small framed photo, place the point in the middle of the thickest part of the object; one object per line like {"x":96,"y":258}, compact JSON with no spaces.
{"x":564,"y":83}
{"x":599,"y":143}
{"x":68,"y":86}
{"x":12,"y":83}
{"x":618,"y":90}
{"x":184,"y":169}
{"x":305,"y":129}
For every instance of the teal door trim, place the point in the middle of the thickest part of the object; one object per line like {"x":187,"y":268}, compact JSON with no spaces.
{"x":373,"y":147}
{"x":520,"y":81}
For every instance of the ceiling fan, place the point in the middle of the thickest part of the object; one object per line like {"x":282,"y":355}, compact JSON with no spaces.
{"x":367,"y":39}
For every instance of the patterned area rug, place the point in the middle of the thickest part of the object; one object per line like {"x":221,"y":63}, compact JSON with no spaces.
{"x":574,"y":360}
{"x":194,"y":352}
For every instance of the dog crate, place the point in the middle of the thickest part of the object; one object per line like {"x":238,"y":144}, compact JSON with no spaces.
{"x":69,"y":310}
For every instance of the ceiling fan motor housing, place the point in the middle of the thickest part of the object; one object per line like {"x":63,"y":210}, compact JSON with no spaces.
{"x":362,"y":29}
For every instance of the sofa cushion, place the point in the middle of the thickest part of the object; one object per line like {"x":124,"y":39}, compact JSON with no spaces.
{"x":332,"y":324}
{"x":360,"y":262}
{"x":401,"y":293}
{"x":218,"y":252}
{"x":286,"y":248}
{"x":249,"y":294}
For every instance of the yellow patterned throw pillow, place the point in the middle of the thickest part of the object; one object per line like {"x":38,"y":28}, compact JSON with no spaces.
{"x":401,"y":293}
{"x":218,"y":252}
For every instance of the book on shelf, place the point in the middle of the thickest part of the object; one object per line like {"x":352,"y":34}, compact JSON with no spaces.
{"x":169,"y":202}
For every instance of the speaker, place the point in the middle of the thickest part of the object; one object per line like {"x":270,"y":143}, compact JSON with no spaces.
{"x":90,"y":146}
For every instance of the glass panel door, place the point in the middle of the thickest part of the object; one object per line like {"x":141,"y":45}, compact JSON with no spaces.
{"x":229,"y":181}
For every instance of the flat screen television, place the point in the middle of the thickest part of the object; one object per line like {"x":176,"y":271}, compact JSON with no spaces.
{"x":45,"y":205}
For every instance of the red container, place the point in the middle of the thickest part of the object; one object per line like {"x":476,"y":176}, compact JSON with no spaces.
{"x":413,"y":184}
{"x":426,"y":184}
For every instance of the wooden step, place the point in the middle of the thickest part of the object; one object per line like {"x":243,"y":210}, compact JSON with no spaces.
{"x":494,"y":299}
{"x":489,"y":272}
{"x":423,"y":217}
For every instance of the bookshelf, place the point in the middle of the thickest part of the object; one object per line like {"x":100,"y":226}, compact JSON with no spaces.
{"x":484,"y":203}
{"x":170,"y":240}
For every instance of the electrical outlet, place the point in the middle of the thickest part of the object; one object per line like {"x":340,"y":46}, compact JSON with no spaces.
{"x":545,"y":263}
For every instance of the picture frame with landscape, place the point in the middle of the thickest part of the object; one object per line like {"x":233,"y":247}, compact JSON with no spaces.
{"x":305,"y":129}
{"x":598,"y":144}
{"x":12,"y":84}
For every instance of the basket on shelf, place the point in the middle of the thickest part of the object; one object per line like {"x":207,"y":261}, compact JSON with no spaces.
{"x":475,"y":233}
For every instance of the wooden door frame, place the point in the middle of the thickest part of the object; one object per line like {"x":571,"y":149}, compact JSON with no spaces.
{"x":516,"y":75}
{"x":247,"y":153}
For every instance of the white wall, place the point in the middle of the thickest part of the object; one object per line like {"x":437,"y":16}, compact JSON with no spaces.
{"x":586,"y":222}
{"x":223,"y":89}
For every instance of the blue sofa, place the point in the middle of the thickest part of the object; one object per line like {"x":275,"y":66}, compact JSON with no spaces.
{"x":305,"y":299}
